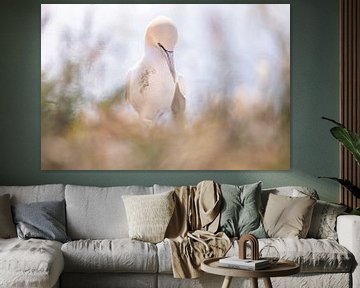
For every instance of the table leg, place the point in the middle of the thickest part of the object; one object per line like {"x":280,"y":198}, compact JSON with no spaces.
{"x":227,"y":282}
{"x":267,"y":283}
{"x":254,"y":282}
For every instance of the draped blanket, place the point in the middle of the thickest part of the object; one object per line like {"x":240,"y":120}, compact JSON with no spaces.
{"x":191,"y":231}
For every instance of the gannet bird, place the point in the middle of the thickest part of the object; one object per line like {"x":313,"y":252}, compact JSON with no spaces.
{"x":153,"y":87}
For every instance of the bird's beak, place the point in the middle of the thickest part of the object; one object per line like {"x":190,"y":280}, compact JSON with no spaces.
{"x":169,"y":55}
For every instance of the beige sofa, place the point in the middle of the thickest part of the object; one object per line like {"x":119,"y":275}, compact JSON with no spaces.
{"x":101,"y":255}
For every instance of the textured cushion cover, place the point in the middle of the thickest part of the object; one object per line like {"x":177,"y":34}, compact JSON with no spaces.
{"x":98,"y":213}
{"x":149,"y":215}
{"x":7,"y":227}
{"x":31,"y":263}
{"x":44,"y":220}
{"x":323,"y":222}
{"x":117,"y":255}
{"x":240,"y":210}
{"x":287,"y":216}
{"x":313,"y":255}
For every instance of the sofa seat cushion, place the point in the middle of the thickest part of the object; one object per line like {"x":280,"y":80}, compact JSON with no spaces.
{"x":313,"y":255}
{"x":30,"y":263}
{"x":115,"y":255}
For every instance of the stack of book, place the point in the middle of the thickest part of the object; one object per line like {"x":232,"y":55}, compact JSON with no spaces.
{"x":248,"y":264}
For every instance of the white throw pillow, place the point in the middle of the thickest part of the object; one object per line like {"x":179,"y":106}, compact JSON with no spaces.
{"x":149,"y":215}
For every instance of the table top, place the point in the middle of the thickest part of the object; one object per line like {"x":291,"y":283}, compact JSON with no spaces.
{"x":281,"y":268}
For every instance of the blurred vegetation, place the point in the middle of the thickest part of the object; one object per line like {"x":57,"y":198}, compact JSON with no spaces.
{"x":227,"y":134}
{"x":216,"y":140}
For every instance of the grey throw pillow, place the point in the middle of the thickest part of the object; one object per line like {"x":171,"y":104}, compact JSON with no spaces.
{"x":240,"y":213}
{"x":44,"y":220}
{"x":7,"y":227}
{"x":323,"y":222}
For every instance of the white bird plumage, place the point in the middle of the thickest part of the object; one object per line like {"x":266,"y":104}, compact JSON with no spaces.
{"x":153,"y":87}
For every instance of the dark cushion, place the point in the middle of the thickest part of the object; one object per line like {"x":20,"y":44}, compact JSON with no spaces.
{"x":7,"y":226}
{"x":43,"y":220}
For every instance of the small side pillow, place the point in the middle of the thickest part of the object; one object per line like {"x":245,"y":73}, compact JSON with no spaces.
{"x":7,"y":226}
{"x":288,"y":217}
{"x":240,"y":213}
{"x":323,"y":222}
{"x":43,"y":220}
{"x":149,"y":215}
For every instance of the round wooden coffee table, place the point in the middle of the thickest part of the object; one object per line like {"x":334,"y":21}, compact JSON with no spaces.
{"x":281,"y":268}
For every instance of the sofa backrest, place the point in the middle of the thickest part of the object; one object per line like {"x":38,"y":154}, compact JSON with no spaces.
{"x":162,"y":188}
{"x":37,"y":193}
{"x":98,"y":212}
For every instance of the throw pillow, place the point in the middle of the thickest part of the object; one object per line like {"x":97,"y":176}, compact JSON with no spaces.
{"x":287,"y":217}
{"x":43,"y":220}
{"x":240,"y":213}
{"x":323,"y":222}
{"x":149,"y":215}
{"x":291,"y":191}
{"x":7,"y":227}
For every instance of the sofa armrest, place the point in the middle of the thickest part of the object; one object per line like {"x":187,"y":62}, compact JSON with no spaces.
{"x":348,"y":230}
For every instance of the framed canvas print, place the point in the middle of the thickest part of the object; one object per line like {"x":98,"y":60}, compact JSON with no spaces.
{"x":165,"y":87}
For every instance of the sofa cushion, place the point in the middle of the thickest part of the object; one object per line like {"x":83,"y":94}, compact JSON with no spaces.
{"x":149,"y":215}
{"x":7,"y":227}
{"x":164,"y":257}
{"x":37,"y":193}
{"x":287,"y":216}
{"x":313,"y":255}
{"x":98,"y":213}
{"x":117,"y":255}
{"x":291,"y":191}
{"x":240,"y":210}
{"x":323,"y":222}
{"x":30,"y":263}
{"x":43,"y":220}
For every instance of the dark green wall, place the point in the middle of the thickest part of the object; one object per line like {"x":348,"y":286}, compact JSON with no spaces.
{"x":314,"y":93}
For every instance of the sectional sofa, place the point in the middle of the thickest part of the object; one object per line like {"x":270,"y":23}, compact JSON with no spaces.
{"x":102,"y":255}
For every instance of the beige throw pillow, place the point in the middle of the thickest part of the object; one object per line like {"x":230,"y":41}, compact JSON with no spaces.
{"x":149,"y":215}
{"x":7,"y":226}
{"x":288,"y":217}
